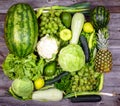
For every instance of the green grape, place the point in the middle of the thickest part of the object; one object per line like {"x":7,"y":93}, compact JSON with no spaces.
{"x":96,"y":74}
{"x":48,"y":31}
{"x":44,"y":32}
{"x":52,"y":30}
{"x":59,"y":21}
{"x":55,"y":19}
{"x":42,"y":23}
{"x":57,"y":13}
{"x":51,"y":19}
{"x":52,"y":15}
{"x":41,"y":17}
{"x":46,"y":26}
{"x":40,"y":31}
{"x":87,"y":87}
{"x":44,"y":19}
{"x":83,"y":88}
{"x":47,"y":20}
{"x":80,"y":73}
{"x":42,"y":28}
{"x":73,"y":73}
{"x":76,"y":77}
{"x":56,"y":28}
{"x":49,"y":25}
{"x":81,"y":82}
{"x":60,"y":25}
{"x":55,"y":32}
{"x":89,"y":82}
{"x":86,"y":74}
{"x":79,"y":88}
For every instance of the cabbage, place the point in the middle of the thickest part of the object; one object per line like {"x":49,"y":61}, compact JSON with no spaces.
{"x":22,"y":88}
{"x":71,"y":58}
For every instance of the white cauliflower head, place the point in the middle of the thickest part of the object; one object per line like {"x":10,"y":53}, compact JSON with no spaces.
{"x":47,"y":47}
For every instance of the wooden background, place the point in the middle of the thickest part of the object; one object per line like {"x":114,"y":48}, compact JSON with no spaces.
{"x":112,"y":79}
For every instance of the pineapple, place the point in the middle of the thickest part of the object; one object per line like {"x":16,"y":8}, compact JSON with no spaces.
{"x":103,"y":59}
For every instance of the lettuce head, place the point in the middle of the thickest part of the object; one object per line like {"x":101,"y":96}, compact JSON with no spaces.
{"x":22,"y":88}
{"x":71,"y":58}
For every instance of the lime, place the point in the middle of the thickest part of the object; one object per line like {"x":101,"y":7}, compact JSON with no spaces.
{"x":66,"y":19}
{"x":39,"y":83}
{"x":65,"y":34}
{"x":50,"y":69}
{"x":88,"y":28}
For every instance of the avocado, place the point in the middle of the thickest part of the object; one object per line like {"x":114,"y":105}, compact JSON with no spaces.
{"x":66,"y":19}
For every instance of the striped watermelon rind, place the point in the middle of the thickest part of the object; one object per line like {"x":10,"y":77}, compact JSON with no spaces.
{"x":100,"y":17}
{"x":21,"y":29}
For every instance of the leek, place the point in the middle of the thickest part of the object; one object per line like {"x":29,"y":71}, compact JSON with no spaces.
{"x":83,"y":7}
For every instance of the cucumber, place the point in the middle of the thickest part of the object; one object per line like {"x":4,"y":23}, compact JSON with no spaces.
{"x":57,"y":78}
{"x":86,"y":98}
{"x":84,"y":45}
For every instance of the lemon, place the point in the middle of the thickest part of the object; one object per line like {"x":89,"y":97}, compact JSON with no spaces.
{"x":65,"y":34}
{"x":39,"y":83}
{"x":88,"y":28}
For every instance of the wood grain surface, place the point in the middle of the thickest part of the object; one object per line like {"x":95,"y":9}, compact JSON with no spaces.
{"x":111,"y":80}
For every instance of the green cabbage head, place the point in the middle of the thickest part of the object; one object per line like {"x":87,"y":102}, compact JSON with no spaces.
{"x":71,"y":58}
{"x":22,"y":88}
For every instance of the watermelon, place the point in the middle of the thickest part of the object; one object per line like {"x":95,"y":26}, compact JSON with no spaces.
{"x":21,"y":29}
{"x":100,"y":17}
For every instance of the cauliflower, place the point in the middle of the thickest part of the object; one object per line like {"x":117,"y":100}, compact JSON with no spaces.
{"x":47,"y":47}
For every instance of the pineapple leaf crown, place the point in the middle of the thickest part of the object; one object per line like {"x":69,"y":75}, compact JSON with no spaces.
{"x":102,"y":39}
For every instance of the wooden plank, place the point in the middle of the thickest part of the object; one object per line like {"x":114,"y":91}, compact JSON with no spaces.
{"x":114,"y":26}
{"x":112,"y":79}
{"x":5,"y":4}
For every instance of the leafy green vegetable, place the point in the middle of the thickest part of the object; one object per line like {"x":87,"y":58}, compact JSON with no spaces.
{"x":91,"y":38}
{"x":64,"y":84}
{"x":92,"y":42}
{"x":22,"y":88}
{"x":15,"y":67}
{"x":71,"y":58}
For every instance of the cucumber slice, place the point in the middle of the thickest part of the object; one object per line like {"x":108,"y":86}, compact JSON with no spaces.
{"x":65,"y":34}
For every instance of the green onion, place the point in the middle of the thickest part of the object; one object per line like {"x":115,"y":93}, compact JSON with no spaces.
{"x":83,"y":7}
{"x":75,"y":94}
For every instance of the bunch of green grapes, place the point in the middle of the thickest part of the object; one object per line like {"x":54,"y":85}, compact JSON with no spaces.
{"x":50,"y":23}
{"x":85,"y":80}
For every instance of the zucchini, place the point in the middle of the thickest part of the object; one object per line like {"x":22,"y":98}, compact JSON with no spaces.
{"x":76,"y":27}
{"x":57,"y":78}
{"x":51,"y":94}
{"x":84,"y":45}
